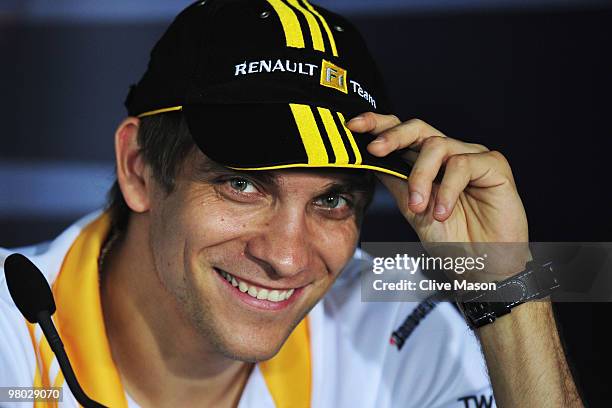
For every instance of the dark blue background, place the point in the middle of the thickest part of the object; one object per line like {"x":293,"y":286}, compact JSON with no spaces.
{"x":532,"y":82}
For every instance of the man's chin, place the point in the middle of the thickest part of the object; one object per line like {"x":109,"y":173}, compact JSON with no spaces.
{"x":253,"y":344}
{"x":252,"y":352}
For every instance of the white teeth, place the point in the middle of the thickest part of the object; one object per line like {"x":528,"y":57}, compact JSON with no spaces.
{"x":256,"y":292}
{"x":273,"y":295}
{"x":262,"y":294}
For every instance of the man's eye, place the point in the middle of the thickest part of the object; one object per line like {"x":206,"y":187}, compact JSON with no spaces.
{"x":242,"y":185}
{"x":333,"y":202}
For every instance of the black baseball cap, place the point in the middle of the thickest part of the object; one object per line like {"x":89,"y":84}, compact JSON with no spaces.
{"x":267,"y":84}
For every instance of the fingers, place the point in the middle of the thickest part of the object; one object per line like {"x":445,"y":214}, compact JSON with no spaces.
{"x":374,"y":123}
{"x":435,"y":152}
{"x":424,"y":171}
{"x":411,"y":133}
{"x":464,"y":163}
{"x":456,"y":178}
{"x":484,"y":170}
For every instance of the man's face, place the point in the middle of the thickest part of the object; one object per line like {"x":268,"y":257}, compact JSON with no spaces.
{"x":281,"y":236}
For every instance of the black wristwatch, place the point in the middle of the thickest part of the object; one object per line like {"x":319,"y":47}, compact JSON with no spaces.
{"x":536,"y":282}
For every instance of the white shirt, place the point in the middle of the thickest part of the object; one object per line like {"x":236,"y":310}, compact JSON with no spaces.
{"x":352,"y":363}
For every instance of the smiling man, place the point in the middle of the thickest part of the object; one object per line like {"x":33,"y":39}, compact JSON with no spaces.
{"x":225,"y":270}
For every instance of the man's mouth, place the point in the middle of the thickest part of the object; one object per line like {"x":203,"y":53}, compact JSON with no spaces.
{"x":272,"y":295}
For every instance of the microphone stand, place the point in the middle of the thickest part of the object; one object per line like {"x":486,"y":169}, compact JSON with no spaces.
{"x":46,"y":324}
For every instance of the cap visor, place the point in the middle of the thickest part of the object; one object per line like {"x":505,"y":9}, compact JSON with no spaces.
{"x":278,"y":136}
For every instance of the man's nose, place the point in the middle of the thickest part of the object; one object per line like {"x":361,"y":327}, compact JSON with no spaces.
{"x":284,"y":243}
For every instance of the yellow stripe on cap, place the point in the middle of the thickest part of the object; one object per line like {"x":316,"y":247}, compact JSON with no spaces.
{"x":334,"y":136}
{"x":313,"y":25}
{"x":334,"y":166}
{"x":163,"y":110}
{"x":325,"y":27}
{"x":291,"y":25}
{"x":309,"y":132}
{"x":351,"y":139}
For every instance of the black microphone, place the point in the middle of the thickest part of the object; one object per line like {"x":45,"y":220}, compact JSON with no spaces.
{"x":32,"y":296}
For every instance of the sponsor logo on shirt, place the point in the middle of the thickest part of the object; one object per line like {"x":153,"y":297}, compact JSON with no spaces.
{"x":477,"y":401}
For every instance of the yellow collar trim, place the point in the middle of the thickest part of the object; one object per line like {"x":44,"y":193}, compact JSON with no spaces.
{"x":80,"y":320}
{"x":288,"y":374}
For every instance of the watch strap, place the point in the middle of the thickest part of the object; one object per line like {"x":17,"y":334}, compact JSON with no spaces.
{"x":535,"y":282}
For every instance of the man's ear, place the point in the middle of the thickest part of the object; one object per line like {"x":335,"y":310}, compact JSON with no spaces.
{"x":132,"y":174}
